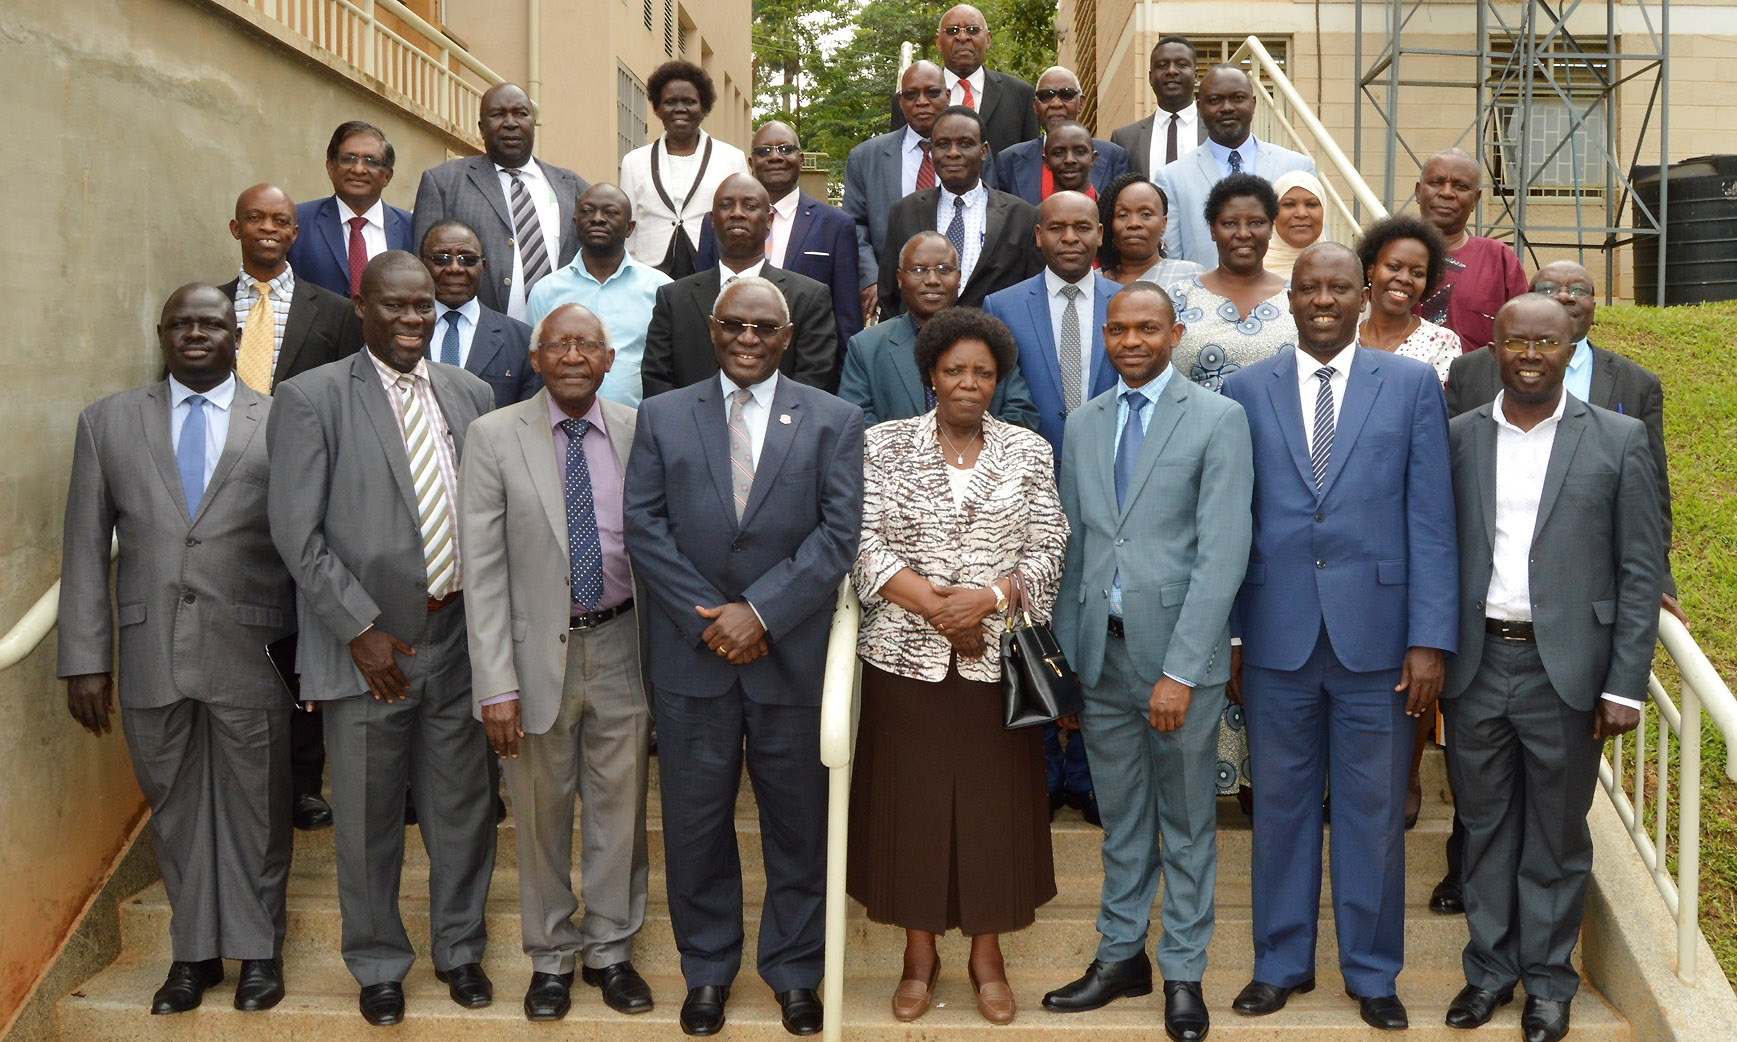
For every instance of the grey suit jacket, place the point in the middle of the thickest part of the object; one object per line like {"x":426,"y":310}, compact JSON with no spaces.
{"x":198,"y":598}
{"x":1597,"y":556}
{"x":322,"y":327}
{"x":1136,"y":137}
{"x":1186,"y":183}
{"x":517,"y":569}
{"x":469,"y":190}
{"x":880,"y":377}
{"x":1180,"y":541}
{"x":343,"y":511}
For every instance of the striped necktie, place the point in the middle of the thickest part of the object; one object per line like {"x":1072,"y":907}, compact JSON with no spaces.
{"x":533,"y":253}
{"x":741,"y":452}
{"x":433,"y":508}
{"x":258,"y":341}
{"x":925,"y":169}
{"x":1321,"y":452}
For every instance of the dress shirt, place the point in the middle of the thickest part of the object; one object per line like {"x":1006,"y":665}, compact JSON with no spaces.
{"x":1222,"y":154}
{"x":956,"y":94}
{"x":1308,"y":387}
{"x":1083,"y":308}
{"x":726,"y":276}
{"x":548,"y":217}
{"x":622,"y":302}
{"x":283,"y":288}
{"x":443,"y":448}
{"x":783,"y":215}
{"x":218,"y":400}
{"x":373,"y":233}
{"x":468,"y":313}
{"x":1187,"y":135}
{"x":976,"y":219}
{"x":755,"y":414}
{"x":910,"y":160}
{"x":1577,"y":378}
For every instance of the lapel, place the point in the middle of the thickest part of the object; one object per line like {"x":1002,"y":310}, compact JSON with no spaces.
{"x":385,"y":422}
{"x":537,"y":442}
{"x":994,"y":229}
{"x":1602,"y":393}
{"x":486,"y":343}
{"x":1288,"y":408}
{"x":326,"y":230}
{"x":565,"y":204}
{"x":714,"y":435}
{"x":621,"y":422}
{"x":481,"y":171}
{"x":1098,"y":428}
{"x":1024,"y":174}
{"x":398,"y":231}
{"x":901,"y":355}
{"x":1103,"y":375}
{"x":446,"y":394}
{"x":1037,"y":308}
{"x":295,"y":327}
{"x":154,"y":418}
{"x":1143,"y":144}
{"x":243,"y":425}
{"x":800,"y":224}
{"x":1171,"y":407}
{"x":887,"y":170}
{"x":1484,"y":458}
{"x":1568,"y":431}
{"x":993,"y":89}
{"x":776,"y":445}
{"x":1362,"y":385}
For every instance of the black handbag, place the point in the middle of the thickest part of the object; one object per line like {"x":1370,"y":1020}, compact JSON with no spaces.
{"x":681,"y":259}
{"x":1037,"y":684}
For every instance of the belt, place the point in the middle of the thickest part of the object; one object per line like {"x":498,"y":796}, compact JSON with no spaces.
{"x":588,"y":619}
{"x":1116,"y":627}
{"x":437,"y":603}
{"x":1509,"y":630}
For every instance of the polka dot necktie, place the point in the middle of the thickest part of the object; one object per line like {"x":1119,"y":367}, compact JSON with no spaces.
{"x":584,"y":548}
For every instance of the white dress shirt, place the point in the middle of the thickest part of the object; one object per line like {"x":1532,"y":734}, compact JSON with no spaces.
{"x":726,"y":276}
{"x":1187,"y":135}
{"x":910,"y":160}
{"x":956,"y":94}
{"x":217,"y":403}
{"x":1083,"y":309}
{"x":783,"y":216}
{"x":756,"y":412}
{"x":468,"y":313}
{"x":1308,"y":387}
{"x":373,"y":233}
{"x":548,"y":217}
{"x":976,"y":219}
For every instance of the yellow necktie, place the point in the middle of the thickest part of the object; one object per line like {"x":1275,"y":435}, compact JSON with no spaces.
{"x":258,"y":342}
{"x":432,"y":505}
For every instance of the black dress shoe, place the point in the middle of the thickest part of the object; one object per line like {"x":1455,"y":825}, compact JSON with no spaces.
{"x":382,"y":1004}
{"x":703,"y":1010}
{"x":1104,"y":983}
{"x":624,"y":990}
{"x":260,"y":985}
{"x":1057,"y":800}
{"x":548,"y":997}
{"x":1089,"y":808}
{"x":801,"y":1009}
{"x":1543,"y":1020}
{"x":1381,"y":1011}
{"x":184,"y":988}
{"x":311,"y":812}
{"x":468,"y":985}
{"x":1185,"y":1016}
{"x":1473,"y":1006}
{"x":1447,"y":899}
{"x":1258,"y":998}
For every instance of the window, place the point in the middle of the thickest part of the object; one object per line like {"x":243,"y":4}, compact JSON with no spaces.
{"x":1562,"y":131}
{"x":648,"y":26}
{"x":1212,"y":50}
{"x":630,"y":110}
{"x":669,"y":28}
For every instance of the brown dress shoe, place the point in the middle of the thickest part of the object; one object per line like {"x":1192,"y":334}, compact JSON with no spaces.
{"x":912,"y":997}
{"x":994,"y":1000}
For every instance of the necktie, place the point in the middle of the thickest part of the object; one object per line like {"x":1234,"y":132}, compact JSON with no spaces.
{"x":449,"y":339}
{"x":533,"y":254}
{"x":1236,"y":162}
{"x":433,"y":509}
{"x":956,"y":228}
{"x":190,"y":454}
{"x":358,"y":254}
{"x":969,"y":99}
{"x":741,"y":452}
{"x":584,"y":547}
{"x":258,"y":342}
{"x":1170,"y":139}
{"x":1322,"y":450}
{"x":925,"y":169}
{"x":1133,"y":437}
{"x":1070,"y":349}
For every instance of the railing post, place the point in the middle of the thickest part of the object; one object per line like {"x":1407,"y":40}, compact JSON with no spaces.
{"x":1689,"y":835}
{"x":368,"y":38}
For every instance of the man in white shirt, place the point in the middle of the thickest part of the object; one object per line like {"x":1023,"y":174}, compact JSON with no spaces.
{"x":341,"y":233}
{"x":1176,"y":128}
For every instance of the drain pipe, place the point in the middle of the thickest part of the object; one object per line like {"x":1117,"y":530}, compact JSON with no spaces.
{"x":534,"y":60}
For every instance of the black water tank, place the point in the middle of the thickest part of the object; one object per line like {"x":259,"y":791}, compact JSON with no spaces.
{"x":1701,"y":248}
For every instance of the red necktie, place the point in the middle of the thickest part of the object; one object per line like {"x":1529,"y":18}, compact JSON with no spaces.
{"x":358,"y":254}
{"x":926,"y":169}
{"x":970,"y":99}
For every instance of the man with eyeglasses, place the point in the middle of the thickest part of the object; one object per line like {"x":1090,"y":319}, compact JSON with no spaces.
{"x":1023,"y":169}
{"x":1176,"y":129}
{"x":1002,"y":100}
{"x":467,"y":334}
{"x":344,"y":231}
{"x":1562,"y":562}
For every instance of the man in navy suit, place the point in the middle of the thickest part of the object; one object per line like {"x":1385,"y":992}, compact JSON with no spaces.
{"x":341,"y":233}
{"x":1348,"y":609}
{"x":808,"y":236}
{"x":480,"y":339}
{"x":1019,"y":170}
{"x":743,"y":509}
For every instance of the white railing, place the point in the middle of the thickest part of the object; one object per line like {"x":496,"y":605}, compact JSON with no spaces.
{"x":35,"y":623}
{"x":839,"y":708}
{"x":1702,"y":690}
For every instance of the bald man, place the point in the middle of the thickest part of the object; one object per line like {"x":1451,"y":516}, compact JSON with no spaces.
{"x":962,"y":40}
{"x":1020,"y":169}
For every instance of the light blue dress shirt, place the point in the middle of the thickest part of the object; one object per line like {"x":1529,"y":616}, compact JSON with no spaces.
{"x":1222,"y":155}
{"x":1577,"y":378}
{"x":217,"y":403}
{"x":622,"y":302}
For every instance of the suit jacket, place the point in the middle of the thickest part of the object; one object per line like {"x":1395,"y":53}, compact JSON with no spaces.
{"x":517,"y":569}
{"x":786,"y":556}
{"x":1597,"y":556}
{"x":1617,"y":384}
{"x":1186,"y":183}
{"x":198,"y":598}
{"x":322,"y":327}
{"x":469,"y":190}
{"x":1372,"y":554}
{"x":500,"y":355}
{"x":1136,"y":138}
{"x":321,"y":252}
{"x":678,"y":343}
{"x":1019,"y":170}
{"x":1179,"y":542}
{"x":1008,"y":117}
{"x":1009,"y":246}
{"x":822,"y":246}
{"x":880,"y":377}
{"x":343,"y":511}
{"x":1025,"y":309}
{"x":873,"y":182}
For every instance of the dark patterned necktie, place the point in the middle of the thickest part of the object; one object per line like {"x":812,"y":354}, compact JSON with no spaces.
{"x":584,"y":547}
{"x":1322,"y":451}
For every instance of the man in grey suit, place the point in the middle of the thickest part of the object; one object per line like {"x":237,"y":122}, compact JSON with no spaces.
{"x":1176,"y":129}
{"x":1226,"y":104}
{"x":1156,"y":479}
{"x":364,"y":493}
{"x":521,"y":207}
{"x":1562,"y":559}
{"x":743,"y":513}
{"x":479,"y":339}
{"x":177,"y":471}
{"x":554,"y":651}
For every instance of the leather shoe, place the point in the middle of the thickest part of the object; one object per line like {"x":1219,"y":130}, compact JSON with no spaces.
{"x":703,"y":1010}
{"x":184,"y":988}
{"x":260,"y":985}
{"x":1447,"y":899}
{"x":468,"y":985}
{"x":1185,"y":1016}
{"x":1543,"y":1020}
{"x":311,"y":812}
{"x":1103,"y":983}
{"x":1089,"y":808}
{"x":912,"y":997}
{"x":1258,"y":999}
{"x":801,"y":1011}
{"x":1381,"y":1011}
{"x":383,"y":1004}
{"x":994,"y":1000}
{"x":1057,"y":800}
{"x":1473,"y":1006}
{"x":624,"y":990}
{"x":548,"y":997}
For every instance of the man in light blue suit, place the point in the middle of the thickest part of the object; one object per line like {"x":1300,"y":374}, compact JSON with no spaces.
{"x":1019,"y":168}
{"x":1347,"y":612}
{"x":352,"y":223}
{"x":1226,"y":104}
{"x":1156,"y":479}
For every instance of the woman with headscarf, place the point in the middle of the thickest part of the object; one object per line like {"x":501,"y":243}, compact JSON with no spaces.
{"x":1302,"y":220}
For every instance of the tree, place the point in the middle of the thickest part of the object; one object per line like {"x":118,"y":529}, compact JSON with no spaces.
{"x":786,"y":36}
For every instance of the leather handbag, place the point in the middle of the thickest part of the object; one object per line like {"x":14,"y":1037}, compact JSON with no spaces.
{"x":1037,"y":684}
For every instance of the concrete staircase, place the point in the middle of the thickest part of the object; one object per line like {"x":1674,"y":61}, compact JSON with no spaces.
{"x":113,"y":1006}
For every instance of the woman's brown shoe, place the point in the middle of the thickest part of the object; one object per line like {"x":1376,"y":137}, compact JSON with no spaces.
{"x":994,"y":1000}
{"x":911,"y":998}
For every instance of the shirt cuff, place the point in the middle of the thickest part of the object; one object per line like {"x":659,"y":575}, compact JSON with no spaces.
{"x":1185,"y":683}
{"x":1236,"y":642}
{"x":506,"y":696}
{"x":1632,"y":703}
{"x":757,"y":614}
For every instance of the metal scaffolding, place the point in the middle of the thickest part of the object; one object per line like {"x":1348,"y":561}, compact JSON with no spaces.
{"x":1542,"y":83}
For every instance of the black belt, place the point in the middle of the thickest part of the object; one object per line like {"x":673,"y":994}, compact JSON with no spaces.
{"x":1508,"y":629}
{"x":437,"y":603}
{"x":1116,"y":627}
{"x":589,"y":619}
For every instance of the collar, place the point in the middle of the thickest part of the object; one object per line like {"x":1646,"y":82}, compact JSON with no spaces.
{"x":913,"y":141}
{"x":1582,"y":356}
{"x":531,"y":171}
{"x":948,"y":78}
{"x":221,"y":396}
{"x":283,"y":287}
{"x":725,"y":274}
{"x":786,"y":207}
{"x":470,"y":309}
{"x":374,"y":215}
{"x":594,"y":414}
{"x":1053,"y":283}
{"x":1187,"y":114}
{"x":1545,"y":424}
{"x":389,"y":376}
{"x":579,"y":270}
{"x":977,"y":195}
{"x":762,"y":391}
{"x":1152,"y":389}
{"x":699,"y":147}
{"x":1248,"y":148}
{"x":1340,"y":363}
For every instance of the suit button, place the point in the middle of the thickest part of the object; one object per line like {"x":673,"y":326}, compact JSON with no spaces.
{"x":189,"y":598}
{"x":735,"y":549}
{"x":1320,"y":564}
{"x":1119,"y":542}
{"x":1320,"y":517}
{"x":192,"y":541}
{"x":562,"y":638}
{"x":1480,"y":605}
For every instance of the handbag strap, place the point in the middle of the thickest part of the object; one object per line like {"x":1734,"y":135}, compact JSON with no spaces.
{"x":1018,"y":602}
{"x":699,"y":175}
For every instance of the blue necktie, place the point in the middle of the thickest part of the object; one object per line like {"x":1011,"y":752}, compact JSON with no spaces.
{"x":449,"y":341}
{"x":956,"y":228}
{"x":584,"y":548}
{"x":1321,"y":453}
{"x":1128,"y":449}
{"x":1235,"y":162}
{"x":190,"y":454}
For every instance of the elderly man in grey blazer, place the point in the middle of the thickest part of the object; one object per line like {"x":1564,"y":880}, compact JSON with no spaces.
{"x":1156,"y":480}
{"x":554,"y":651}
{"x":177,"y":471}
{"x":363,"y":503}
{"x":1562,"y":561}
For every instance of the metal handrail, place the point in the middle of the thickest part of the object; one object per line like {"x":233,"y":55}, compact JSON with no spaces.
{"x":840,"y":706}
{"x":37,"y":621}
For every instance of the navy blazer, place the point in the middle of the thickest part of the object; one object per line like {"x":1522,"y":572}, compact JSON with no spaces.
{"x":500,"y":354}
{"x":321,"y":252}
{"x":1025,"y":309}
{"x":1020,"y":169}
{"x":880,"y":377}
{"x":823,"y":247}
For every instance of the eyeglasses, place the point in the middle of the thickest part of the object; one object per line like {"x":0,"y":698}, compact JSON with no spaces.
{"x":441,"y":260}
{"x":733,"y":328}
{"x":913,"y":93}
{"x":590,"y":347}
{"x":1519,"y":345}
{"x":762,"y":151}
{"x":1052,"y":93}
{"x":1577,"y":290}
{"x":968,"y":30}
{"x":922,"y":271}
{"x":351,"y":159}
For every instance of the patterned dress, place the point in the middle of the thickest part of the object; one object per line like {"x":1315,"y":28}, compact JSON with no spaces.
{"x":1437,"y":345}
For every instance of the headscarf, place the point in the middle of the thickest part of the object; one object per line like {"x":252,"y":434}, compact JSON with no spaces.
{"x":1281,"y":255}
